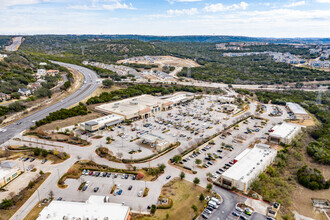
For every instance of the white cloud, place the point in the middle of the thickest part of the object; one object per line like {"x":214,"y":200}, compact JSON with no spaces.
{"x":295,"y":4}
{"x":323,"y":1}
{"x":102,"y":5}
{"x":8,"y":3}
{"x":220,"y":7}
{"x":118,"y":5}
{"x":173,"y":1}
{"x":177,"y":12}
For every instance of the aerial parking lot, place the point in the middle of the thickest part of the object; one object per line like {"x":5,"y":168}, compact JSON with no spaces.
{"x":187,"y":123}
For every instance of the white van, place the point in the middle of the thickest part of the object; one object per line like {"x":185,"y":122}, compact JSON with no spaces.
{"x":213,"y":204}
{"x":213,"y":199}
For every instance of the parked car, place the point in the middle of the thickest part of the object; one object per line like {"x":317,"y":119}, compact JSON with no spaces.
{"x":109,"y":174}
{"x":236,"y":214}
{"x":104,"y":174}
{"x":26,"y":159}
{"x":120,"y":192}
{"x":44,"y":161}
{"x":116,"y":175}
{"x":168,"y":177}
{"x":140,"y":193}
{"x":130,"y":187}
{"x":96,"y":189}
{"x":85,"y":187}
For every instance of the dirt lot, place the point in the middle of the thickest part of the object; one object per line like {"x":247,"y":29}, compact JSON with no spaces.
{"x":167,"y":60}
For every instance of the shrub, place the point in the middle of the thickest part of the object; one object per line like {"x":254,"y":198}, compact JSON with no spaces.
{"x":312,"y":178}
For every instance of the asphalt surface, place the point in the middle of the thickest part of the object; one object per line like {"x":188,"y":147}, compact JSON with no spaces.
{"x":90,"y":77}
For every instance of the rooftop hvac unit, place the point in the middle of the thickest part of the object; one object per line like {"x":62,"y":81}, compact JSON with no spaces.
{"x":115,"y":106}
{"x":134,"y":103}
{"x":258,"y":163}
{"x":117,"y":103}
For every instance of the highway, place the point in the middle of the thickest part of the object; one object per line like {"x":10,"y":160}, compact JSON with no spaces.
{"x":88,"y":87}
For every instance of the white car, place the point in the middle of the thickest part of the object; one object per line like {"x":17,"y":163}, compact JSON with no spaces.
{"x":140,"y":194}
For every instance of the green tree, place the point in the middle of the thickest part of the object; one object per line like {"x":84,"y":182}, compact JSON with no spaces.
{"x":196,"y":181}
{"x":194,"y":207}
{"x":198,"y":161}
{"x":201,"y":197}
{"x":177,"y":158}
{"x":161,"y":167}
{"x":36,"y":151}
{"x":209,"y":186}
{"x":108,"y":83}
{"x":6,"y":203}
{"x":182,"y":175}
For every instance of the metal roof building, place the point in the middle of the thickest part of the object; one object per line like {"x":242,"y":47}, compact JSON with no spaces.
{"x":106,"y":121}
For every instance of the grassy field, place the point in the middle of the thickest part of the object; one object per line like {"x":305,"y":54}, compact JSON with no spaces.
{"x":184,"y":194}
{"x":6,"y":214}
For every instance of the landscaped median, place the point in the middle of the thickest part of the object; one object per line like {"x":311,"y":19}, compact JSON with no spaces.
{"x":145,"y":174}
{"x":105,"y":153}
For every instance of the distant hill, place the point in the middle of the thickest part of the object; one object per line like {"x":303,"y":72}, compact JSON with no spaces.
{"x":196,"y":38}
{"x":213,"y":38}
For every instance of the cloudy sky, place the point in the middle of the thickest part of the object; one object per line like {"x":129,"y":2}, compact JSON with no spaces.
{"x":255,"y":18}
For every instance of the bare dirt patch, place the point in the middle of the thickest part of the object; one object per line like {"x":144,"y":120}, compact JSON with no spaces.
{"x":166,"y":60}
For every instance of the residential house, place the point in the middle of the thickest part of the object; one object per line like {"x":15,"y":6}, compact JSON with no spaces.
{"x":52,"y":72}
{"x":4,"y":97}
{"x":24,"y":92}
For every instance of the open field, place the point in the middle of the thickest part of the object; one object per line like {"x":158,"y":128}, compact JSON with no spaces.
{"x":184,"y":194}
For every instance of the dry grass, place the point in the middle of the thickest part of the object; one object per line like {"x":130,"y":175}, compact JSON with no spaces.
{"x":34,"y":213}
{"x":69,"y":121}
{"x":184,"y":194}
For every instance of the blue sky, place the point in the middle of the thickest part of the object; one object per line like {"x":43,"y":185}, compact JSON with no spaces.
{"x":255,"y":18}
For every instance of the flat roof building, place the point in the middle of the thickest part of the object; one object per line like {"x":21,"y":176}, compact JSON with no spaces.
{"x":248,"y":167}
{"x":156,"y":141}
{"x":298,"y":111}
{"x":138,"y":107}
{"x":9,"y":170}
{"x":96,"y":207}
{"x":284,"y":133}
{"x":100,"y":123}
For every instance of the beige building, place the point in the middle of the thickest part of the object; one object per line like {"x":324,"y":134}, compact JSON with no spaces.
{"x":155,"y":141}
{"x":298,"y":111}
{"x":135,"y":108}
{"x":8,"y":171}
{"x":101,"y":123}
{"x":284,"y":133}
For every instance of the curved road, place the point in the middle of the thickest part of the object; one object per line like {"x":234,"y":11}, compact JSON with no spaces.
{"x":88,"y":87}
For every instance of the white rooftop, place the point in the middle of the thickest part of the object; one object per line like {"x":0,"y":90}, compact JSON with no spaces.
{"x":106,"y":119}
{"x":131,"y":105}
{"x":284,"y":130}
{"x":93,"y":208}
{"x":7,"y":168}
{"x":296,"y":108}
{"x":251,"y":164}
